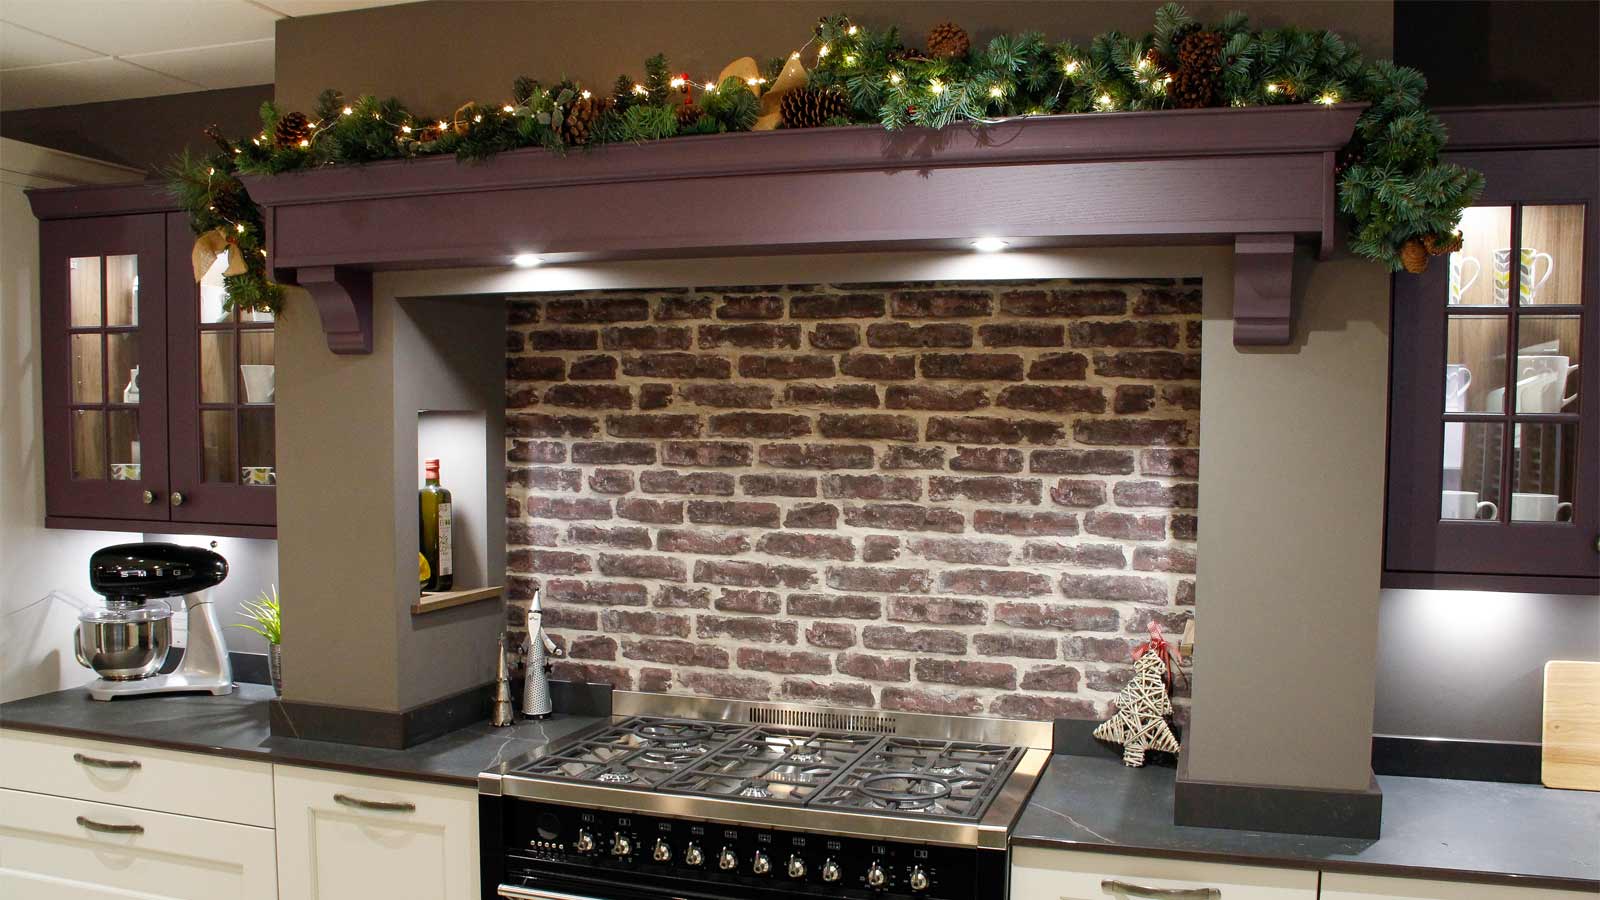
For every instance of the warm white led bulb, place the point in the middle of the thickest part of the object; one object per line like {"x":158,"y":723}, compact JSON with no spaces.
{"x":989,"y":245}
{"x":525,"y":260}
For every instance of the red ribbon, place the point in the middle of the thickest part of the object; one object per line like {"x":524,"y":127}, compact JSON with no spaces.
{"x":1163,"y":649}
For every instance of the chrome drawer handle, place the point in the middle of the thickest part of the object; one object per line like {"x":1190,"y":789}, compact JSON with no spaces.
{"x":380,"y":805}
{"x":103,"y":828}
{"x":96,"y":762}
{"x":1113,"y":886}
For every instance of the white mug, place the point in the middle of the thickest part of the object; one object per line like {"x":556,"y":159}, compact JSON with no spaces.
{"x":1541,"y":382}
{"x":259,"y":383}
{"x":1464,"y":271}
{"x":1457,"y":378}
{"x":1527,"y":285}
{"x":1464,"y":505}
{"x":1539,"y":508}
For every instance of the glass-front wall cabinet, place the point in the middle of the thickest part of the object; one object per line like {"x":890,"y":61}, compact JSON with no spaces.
{"x":1493,"y":443}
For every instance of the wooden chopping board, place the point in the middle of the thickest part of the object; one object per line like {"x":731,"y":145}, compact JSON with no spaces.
{"x":1571,"y":725}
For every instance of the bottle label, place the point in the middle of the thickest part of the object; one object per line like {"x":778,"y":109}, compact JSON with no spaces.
{"x":445,"y":568}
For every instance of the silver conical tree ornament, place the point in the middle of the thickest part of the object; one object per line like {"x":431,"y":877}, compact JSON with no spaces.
{"x":1140,"y":722}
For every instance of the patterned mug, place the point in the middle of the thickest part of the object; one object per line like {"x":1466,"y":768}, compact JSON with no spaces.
{"x":261,"y":475}
{"x":1464,"y":272}
{"x":1527,"y":285}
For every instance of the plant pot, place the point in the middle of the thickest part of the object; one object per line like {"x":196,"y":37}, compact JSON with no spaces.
{"x":275,"y":667}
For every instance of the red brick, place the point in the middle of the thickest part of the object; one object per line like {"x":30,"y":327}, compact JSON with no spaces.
{"x":568,"y":508}
{"x":1059,"y":367}
{"x":592,"y":647}
{"x":614,"y":454}
{"x":597,"y":309}
{"x":566,"y":617}
{"x":816,"y":456}
{"x":904,"y":517}
{"x":1161,"y":365}
{"x":536,"y":368}
{"x":1154,"y":493}
{"x":919,"y":640}
{"x":769,"y":484}
{"x":985,"y":430}
{"x":873,"y":668}
{"x":706,"y":454}
{"x":701,"y":541}
{"x":807,"y":546}
{"x":876,"y":367}
{"x":950,"y":703}
{"x":840,"y":396}
{"x":1087,"y":556}
{"x":880,"y":548}
{"x":1060,"y":679}
{"x":1053,"y":398}
{"x":1125,"y":526}
{"x":985,"y":489}
{"x":1124,"y":588}
{"x":1075,"y":492}
{"x":1192,"y":335}
{"x":1022,"y":334}
{"x":676,"y":653}
{"x":547,"y":562}
{"x":661,"y":568}
{"x":665,"y":481}
{"x":1170,"y":462}
{"x":683,"y":307}
{"x":650,"y":623}
{"x":1124,"y":334}
{"x":728,"y":396}
{"x":656,"y":681}
{"x":785,"y":662}
{"x":941,"y":303}
{"x":747,"y":628}
{"x":1185,"y":527}
{"x":676,"y":365}
{"x":563,"y":339}
{"x":589,"y":396}
{"x":593,"y":368}
{"x":522,"y":312}
{"x":1109,"y":680}
{"x":806,"y":690}
{"x":786,"y":368}
{"x":733,"y":512}
{"x":750,"y":336}
{"x":836,"y":337}
{"x":871,"y":487}
{"x":752,"y":574}
{"x":835,"y":606}
{"x":836,"y":306}
{"x":935,"y":397}
{"x":674,"y":596}
{"x":986,"y":459}
{"x":812,"y":515}
{"x":879,"y":579}
{"x":521,"y":396}
{"x":1164,"y":559}
{"x":995,"y":521}
{"x":1134,"y":398}
{"x":592,"y":673}
{"x":903,"y":457}
{"x":750,"y":306}
{"x":1016,"y":645}
{"x":1139,"y":432}
{"x":993,"y":583}
{"x":961,"y":550}
{"x":1181,"y":396}
{"x":1185,"y":593}
{"x":759,"y":425}
{"x":655,"y":396}
{"x":832,"y":635}
{"x":764,"y":603}
{"x":611,"y":481}
{"x":656,"y":512}
{"x":537,"y":452}
{"x":937,"y":611}
{"x":968,"y":673}
{"x":594,"y":593}
{"x":731,"y":687}
{"x":544,"y":478}
{"x":1167,"y":302}
{"x":1030,"y":706}
{"x":1097,"y":649}
{"x":1172,"y":621}
{"x":972,"y":366}
{"x":1068,"y":302}
{"x":647,"y":337}
{"x":619,"y":538}
{"x":525,"y":533}
{"x":901,"y":334}
{"x":1057,"y":616}
{"x":868,"y":426}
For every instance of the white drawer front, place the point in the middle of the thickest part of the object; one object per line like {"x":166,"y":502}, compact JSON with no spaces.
{"x":54,"y":848}
{"x":189,"y":784}
{"x":1366,"y":887}
{"x":1041,"y":874}
{"x":357,"y":836}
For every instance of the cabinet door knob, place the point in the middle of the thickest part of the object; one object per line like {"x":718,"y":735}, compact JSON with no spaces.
{"x":177,"y":498}
{"x":148,"y":497}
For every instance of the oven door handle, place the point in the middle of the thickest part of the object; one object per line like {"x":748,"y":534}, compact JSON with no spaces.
{"x":511,"y":892}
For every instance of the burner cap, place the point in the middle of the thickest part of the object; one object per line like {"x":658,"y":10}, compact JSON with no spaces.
{"x":674,"y":734}
{"x":905,"y":790}
{"x":944,"y":765}
{"x":754,"y":791}
{"x":616,"y":776}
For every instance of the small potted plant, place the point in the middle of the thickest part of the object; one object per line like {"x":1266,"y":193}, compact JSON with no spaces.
{"x":266,"y":620}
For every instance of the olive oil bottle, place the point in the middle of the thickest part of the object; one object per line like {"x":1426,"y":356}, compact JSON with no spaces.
{"x":434,"y":502}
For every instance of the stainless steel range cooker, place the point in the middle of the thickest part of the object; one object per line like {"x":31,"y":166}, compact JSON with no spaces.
{"x":698,"y":799}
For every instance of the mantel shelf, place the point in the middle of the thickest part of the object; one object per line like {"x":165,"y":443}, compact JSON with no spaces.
{"x":1258,"y":179}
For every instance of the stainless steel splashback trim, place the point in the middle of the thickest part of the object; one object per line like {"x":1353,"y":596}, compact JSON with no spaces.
{"x":1014,"y":732}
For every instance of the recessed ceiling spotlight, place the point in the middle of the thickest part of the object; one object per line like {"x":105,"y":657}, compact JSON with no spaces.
{"x":525,"y":260}
{"x":989,"y":245}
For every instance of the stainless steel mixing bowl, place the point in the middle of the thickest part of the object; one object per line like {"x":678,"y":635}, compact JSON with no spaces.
{"x":123,"y":644}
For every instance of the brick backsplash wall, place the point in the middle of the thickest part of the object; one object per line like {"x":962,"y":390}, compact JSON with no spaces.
{"x":947,"y":497}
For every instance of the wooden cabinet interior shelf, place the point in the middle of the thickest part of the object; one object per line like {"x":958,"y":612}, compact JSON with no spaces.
{"x":435,"y":601}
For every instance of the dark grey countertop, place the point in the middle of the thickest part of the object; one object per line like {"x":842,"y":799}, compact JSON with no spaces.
{"x":236,"y":725}
{"x":1451,"y":830}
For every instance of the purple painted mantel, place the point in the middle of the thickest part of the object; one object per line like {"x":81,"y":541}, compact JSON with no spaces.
{"x":1255,"y":179}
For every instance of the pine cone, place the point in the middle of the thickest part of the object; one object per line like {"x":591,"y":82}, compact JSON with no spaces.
{"x":1439,"y":245}
{"x":809,"y":107}
{"x":947,"y":39}
{"x":1182,"y":32}
{"x":1414,"y":256}
{"x":578,"y":124}
{"x":688,"y":114}
{"x":292,"y":129}
{"x":1194,"y":84}
{"x":1202,"y":48}
{"x":1160,"y":60}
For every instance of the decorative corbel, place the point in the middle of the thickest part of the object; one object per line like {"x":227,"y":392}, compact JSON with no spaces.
{"x":1263,"y":276}
{"x":344,"y":300}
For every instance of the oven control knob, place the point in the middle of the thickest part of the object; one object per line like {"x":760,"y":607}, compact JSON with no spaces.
{"x":876,"y":876}
{"x":830,"y":871}
{"x":621,"y":845}
{"x":797,"y":867}
{"x":919,"y":879}
{"x":692,"y":855}
{"x":662,"y":852}
{"x":762,"y":864}
{"x":585,"y":842}
{"x":726,"y":861}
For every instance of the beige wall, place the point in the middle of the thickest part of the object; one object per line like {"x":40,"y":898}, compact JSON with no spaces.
{"x":438,"y":54}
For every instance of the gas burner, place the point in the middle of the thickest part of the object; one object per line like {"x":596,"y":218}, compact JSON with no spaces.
{"x":616,"y":776}
{"x":805,"y":755}
{"x":672,"y":756}
{"x":944,"y":766}
{"x":675,"y":735}
{"x":754,"y":791}
{"x":905,"y":790}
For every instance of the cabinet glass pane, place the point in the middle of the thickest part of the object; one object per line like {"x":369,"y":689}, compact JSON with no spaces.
{"x":216,"y":436}
{"x":216,"y":366}
{"x":1472,"y":455}
{"x":256,"y":371}
{"x":89,"y":444}
{"x":1475,"y":364}
{"x":257,"y":458}
{"x":85,"y":291}
{"x":123,"y":352}
{"x":213,"y":294}
{"x":1552,"y":252}
{"x":125,"y":461}
{"x":87,"y":369}
{"x":1543,"y":472}
{"x":1547,"y":364}
{"x":1485,"y":236}
{"x":122,"y":290}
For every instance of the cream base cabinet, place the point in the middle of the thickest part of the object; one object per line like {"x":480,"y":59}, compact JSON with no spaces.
{"x":345,"y":836}
{"x":1365,"y":887}
{"x":1043,"y":874}
{"x":60,"y":848}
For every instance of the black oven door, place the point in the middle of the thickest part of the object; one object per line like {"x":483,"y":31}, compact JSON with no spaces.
{"x":591,"y":887}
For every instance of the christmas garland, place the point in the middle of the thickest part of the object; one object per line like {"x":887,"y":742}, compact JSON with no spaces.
{"x":1402,"y":202}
